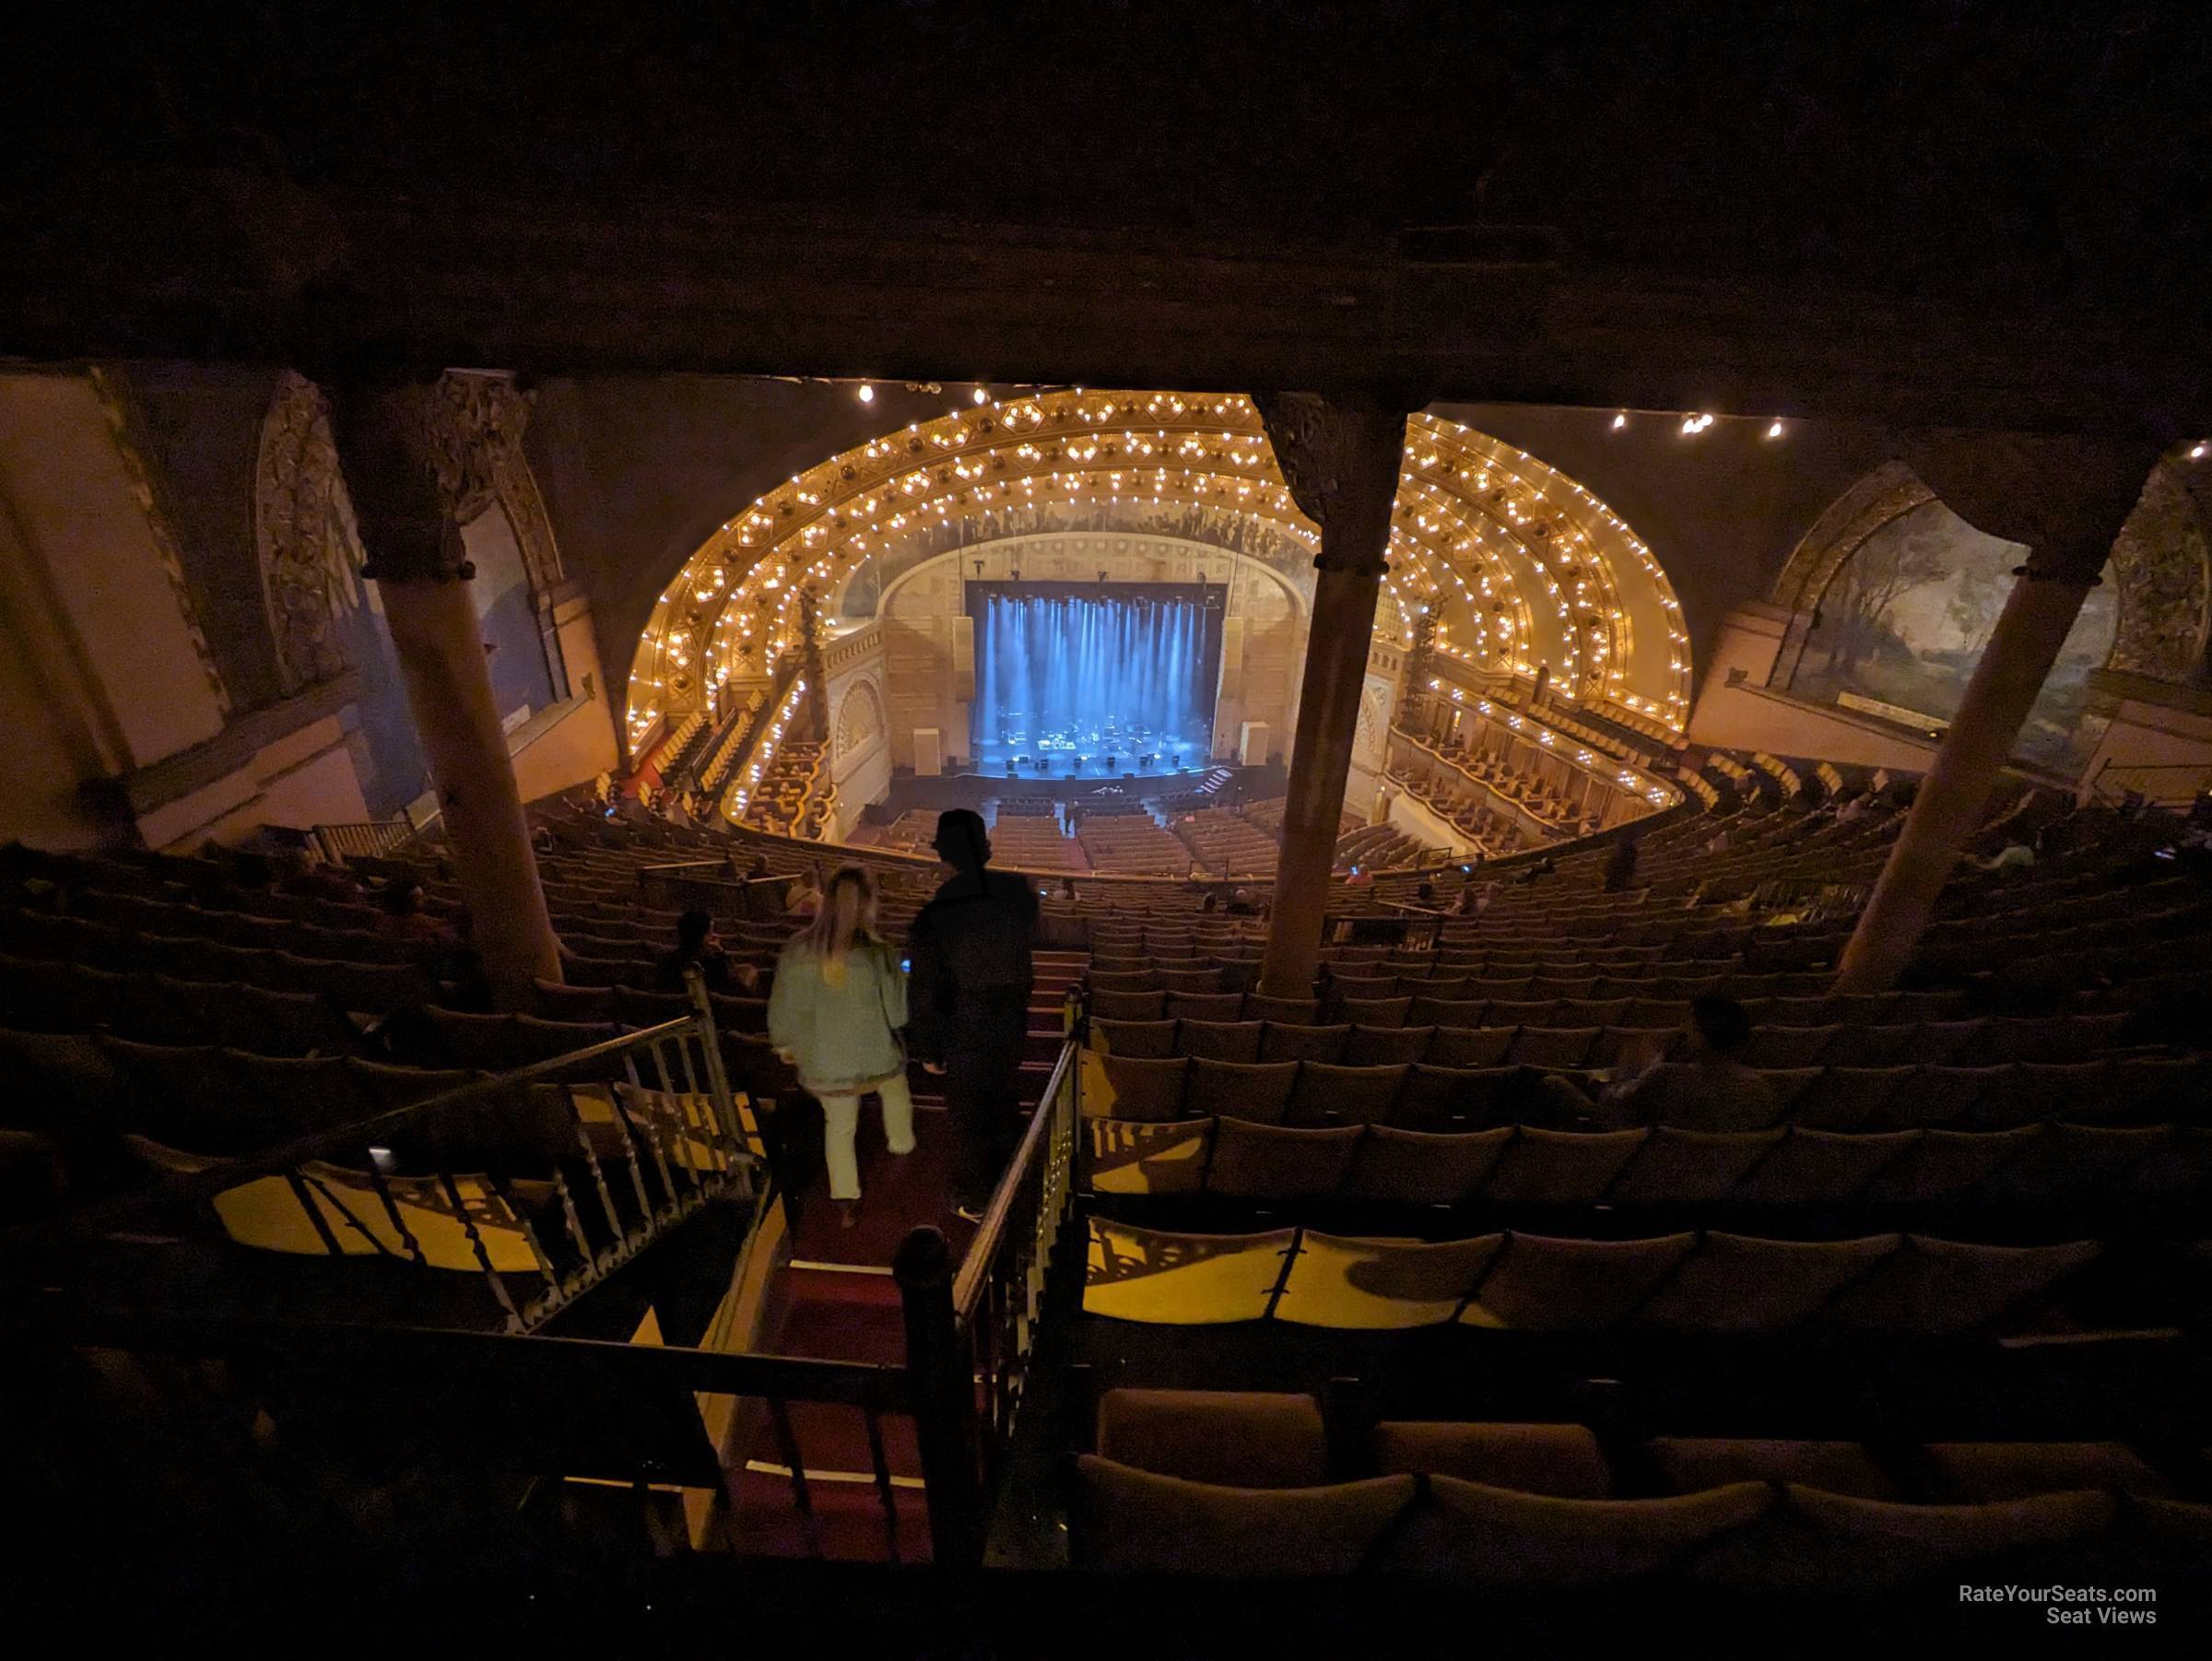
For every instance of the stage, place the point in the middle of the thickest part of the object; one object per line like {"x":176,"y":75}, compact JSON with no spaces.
{"x":1237,"y":784}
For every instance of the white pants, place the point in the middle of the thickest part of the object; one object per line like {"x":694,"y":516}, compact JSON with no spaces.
{"x":840,"y":1119}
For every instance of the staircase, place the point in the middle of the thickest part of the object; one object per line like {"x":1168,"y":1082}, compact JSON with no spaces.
{"x":836,"y":1300}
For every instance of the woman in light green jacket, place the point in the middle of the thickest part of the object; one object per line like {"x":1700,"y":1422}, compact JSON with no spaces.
{"x":838,"y":1002}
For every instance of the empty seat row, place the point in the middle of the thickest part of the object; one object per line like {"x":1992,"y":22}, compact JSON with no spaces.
{"x":102,"y":991}
{"x":1258,"y":1439}
{"x":1169,"y":1493}
{"x":1901,"y":1285}
{"x":198,"y":1097}
{"x":2056,"y":1164}
{"x":1492,"y":1076}
{"x":1885,"y":1010}
{"x":2078,"y":1040}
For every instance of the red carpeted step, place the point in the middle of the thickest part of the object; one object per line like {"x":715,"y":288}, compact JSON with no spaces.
{"x":848,"y":1520}
{"x":841,"y":1317}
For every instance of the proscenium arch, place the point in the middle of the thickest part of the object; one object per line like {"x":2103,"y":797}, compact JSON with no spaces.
{"x":1521,"y":567}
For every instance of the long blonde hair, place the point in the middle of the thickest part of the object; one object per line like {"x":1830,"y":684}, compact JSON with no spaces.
{"x":847,"y":917}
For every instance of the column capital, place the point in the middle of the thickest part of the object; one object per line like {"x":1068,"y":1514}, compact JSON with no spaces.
{"x":1341,"y":454}
{"x":386,"y":432}
{"x":2064,"y":497}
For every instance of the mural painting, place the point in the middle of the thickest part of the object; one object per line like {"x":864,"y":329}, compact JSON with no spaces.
{"x":1905,"y":618}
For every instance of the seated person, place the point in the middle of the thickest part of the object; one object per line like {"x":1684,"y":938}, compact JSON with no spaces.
{"x":1712,"y":1090}
{"x":2013,"y":856}
{"x":698,"y":944}
{"x":1241,"y":904}
{"x":405,"y":919}
{"x":804,"y":896}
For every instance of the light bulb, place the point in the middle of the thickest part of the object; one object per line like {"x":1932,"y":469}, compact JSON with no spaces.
{"x":980,"y":395}
{"x":868,"y":392}
{"x":1619,"y":421}
{"x":1774,"y":431}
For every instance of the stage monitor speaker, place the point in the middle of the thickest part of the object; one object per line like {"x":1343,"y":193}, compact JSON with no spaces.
{"x":929,"y":752}
{"x":1252,"y":744}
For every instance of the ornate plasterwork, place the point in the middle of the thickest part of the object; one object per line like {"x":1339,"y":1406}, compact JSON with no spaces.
{"x":2163,"y":571}
{"x":474,"y":436}
{"x":1340,"y":457}
{"x":304,"y":534}
{"x":859,"y":718}
{"x":1889,"y":492}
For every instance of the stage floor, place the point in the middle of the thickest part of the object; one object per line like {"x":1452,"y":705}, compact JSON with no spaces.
{"x":991,"y":759}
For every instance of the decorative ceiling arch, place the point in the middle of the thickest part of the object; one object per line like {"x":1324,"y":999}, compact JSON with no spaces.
{"x":859,"y":718}
{"x":2160,"y":566}
{"x":1521,"y":567}
{"x":309,"y":549}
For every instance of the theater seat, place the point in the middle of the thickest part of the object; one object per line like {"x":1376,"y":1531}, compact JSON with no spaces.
{"x":2013,"y":1470}
{"x":1127,"y":1520}
{"x":1148,"y":1039}
{"x":1472,"y":1532}
{"x":1356,"y":1285}
{"x":1121,"y":1156}
{"x":1942,"y":1286}
{"x":1236,"y":1041}
{"x":1422,"y":1168}
{"x":1560,"y":1167}
{"x":1256,"y":1091}
{"x":1563,"y":1460}
{"x":1818,"y":1540}
{"x":1734,"y":1283}
{"x":1386,"y":1046}
{"x":1144,"y":1088}
{"x":1273,"y":1163}
{"x":1243,"y":1438}
{"x":1469,"y":1047}
{"x":1541,"y":1284}
{"x":1690,"y":1462}
{"x":1343,"y":1095}
{"x":1281,"y":1041}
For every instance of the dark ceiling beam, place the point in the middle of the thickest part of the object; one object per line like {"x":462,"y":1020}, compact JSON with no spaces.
{"x":546,"y":289}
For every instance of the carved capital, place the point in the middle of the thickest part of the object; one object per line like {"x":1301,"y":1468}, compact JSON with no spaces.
{"x":1340,"y":456}
{"x":392,"y":462}
{"x":474,"y":436}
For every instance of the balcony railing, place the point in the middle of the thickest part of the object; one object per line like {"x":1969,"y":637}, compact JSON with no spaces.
{"x":2158,"y":785}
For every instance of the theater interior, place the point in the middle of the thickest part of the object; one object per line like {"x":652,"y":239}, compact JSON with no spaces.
{"x":1592,"y":632}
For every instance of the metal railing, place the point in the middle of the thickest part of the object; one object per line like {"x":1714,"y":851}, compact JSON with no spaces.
{"x":379,"y":839}
{"x":543,"y":1181}
{"x":971,"y":1329}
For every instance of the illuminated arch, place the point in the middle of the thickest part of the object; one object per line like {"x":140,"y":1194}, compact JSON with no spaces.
{"x":1522,"y":565}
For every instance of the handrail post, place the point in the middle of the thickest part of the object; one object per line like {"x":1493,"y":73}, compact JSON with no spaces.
{"x":943,"y":1386}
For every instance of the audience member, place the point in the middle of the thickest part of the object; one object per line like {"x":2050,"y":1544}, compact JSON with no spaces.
{"x":970,"y":950}
{"x":698,"y":946}
{"x":405,"y":919}
{"x":1620,"y":869}
{"x":1712,"y":1089}
{"x":804,"y":896}
{"x":835,"y":1014}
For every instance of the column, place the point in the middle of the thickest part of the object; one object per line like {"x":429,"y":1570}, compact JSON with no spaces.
{"x":2067,"y":499}
{"x":1341,"y":459}
{"x":405,"y":474}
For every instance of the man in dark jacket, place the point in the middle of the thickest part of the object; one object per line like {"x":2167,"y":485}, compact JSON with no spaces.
{"x":968,"y":1001}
